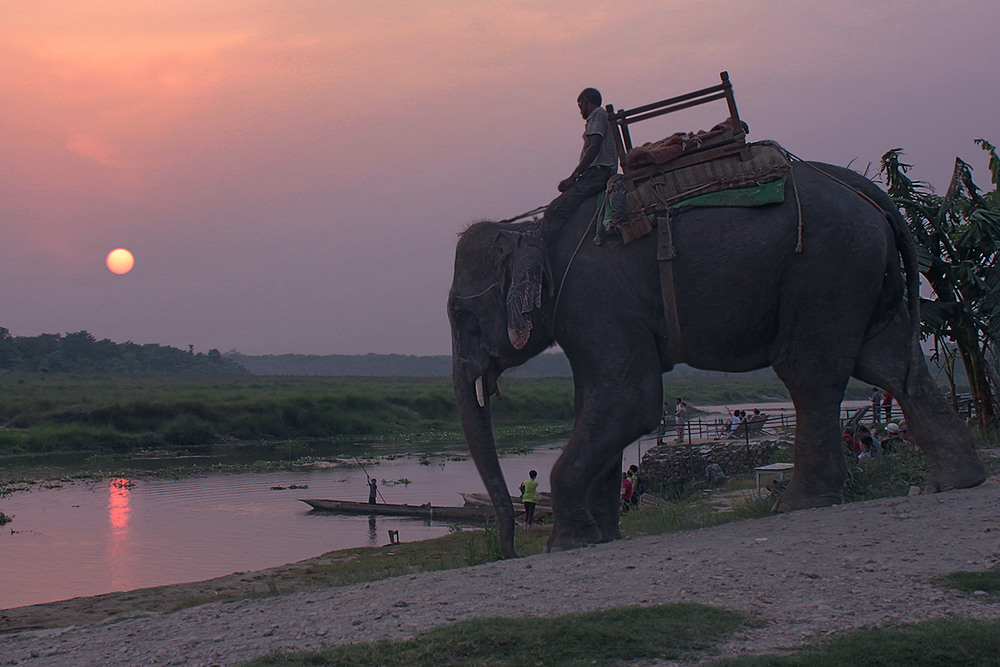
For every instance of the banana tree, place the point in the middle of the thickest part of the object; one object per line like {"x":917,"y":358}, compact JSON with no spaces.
{"x":958,"y":238}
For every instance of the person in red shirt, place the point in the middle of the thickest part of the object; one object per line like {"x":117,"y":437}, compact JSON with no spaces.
{"x":887,"y":406}
{"x":626,"y":492}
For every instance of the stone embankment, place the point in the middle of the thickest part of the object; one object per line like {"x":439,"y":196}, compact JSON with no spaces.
{"x":672,"y":464}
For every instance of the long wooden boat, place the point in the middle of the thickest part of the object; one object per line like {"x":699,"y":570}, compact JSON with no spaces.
{"x":426,"y":511}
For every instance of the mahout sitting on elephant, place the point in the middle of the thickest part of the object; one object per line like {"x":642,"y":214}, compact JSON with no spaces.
{"x":845,"y":305}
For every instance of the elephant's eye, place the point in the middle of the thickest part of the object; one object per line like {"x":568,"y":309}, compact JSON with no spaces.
{"x":457,"y":312}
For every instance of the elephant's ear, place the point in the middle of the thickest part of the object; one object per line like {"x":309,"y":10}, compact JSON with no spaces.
{"x":528,"y":274}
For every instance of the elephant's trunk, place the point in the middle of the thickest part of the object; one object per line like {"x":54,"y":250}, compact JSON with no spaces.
{"x":477,"y":423}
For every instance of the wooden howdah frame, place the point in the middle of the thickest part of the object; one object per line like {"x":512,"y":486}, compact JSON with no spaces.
{"x":729,"y":143}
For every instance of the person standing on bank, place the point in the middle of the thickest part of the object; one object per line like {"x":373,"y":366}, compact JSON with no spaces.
{"x":529,"y":498}
{"x":680,"y":414}
{"x":598,"y":163}
{"x":876,"y":399}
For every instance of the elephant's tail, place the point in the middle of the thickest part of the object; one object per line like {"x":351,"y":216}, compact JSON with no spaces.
{"x":907,"y":249}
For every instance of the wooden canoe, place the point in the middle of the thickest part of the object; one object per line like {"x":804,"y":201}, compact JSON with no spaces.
{"x":427,"y":511}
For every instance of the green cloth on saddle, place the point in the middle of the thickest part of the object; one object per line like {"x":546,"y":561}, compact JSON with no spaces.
{"x":755,"y":195}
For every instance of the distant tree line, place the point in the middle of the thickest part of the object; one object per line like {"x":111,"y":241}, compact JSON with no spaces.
{"x":383,"y":365}
{"x":81,"y":353}
{"x":357,"y":365}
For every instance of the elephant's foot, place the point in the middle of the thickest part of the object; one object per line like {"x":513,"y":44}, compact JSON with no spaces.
{"x":800,"y":498}
{"x":563,"y":539}
{"x":611,"y":533}
{"x":955,"y":476}
{"x":608,"y":527}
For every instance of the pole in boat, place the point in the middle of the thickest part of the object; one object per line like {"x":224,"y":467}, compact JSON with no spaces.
{"x":369,"y":477}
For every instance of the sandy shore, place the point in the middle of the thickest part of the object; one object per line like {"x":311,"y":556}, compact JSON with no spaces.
{"x":808,"y":574}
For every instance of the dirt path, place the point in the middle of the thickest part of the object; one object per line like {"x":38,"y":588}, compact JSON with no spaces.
{"x":808,"y":574}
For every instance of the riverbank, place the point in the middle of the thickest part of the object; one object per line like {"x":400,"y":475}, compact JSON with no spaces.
{"x":805,"y":575}
{"x":179,"y":416}
{"x":333,"y":569}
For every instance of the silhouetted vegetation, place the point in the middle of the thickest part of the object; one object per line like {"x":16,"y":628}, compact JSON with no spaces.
{"x":81,"y":353}
{"x":958,"y":239}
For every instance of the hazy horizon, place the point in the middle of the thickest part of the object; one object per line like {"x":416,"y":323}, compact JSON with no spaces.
{"x":291,"y":178}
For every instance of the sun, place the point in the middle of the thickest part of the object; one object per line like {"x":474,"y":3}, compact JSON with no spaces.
{"x":120,"y":261}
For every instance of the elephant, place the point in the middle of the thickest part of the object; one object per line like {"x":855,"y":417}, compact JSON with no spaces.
{"x":822,"y":287}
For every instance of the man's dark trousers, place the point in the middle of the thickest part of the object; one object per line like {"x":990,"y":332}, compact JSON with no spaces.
{"x":593,"y":181}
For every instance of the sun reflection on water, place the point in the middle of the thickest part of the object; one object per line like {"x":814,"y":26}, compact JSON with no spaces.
{"x":119,"y":512}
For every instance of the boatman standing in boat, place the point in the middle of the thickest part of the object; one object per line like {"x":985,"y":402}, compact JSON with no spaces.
{"x":529,"y":498}
{"x":372,"y":490}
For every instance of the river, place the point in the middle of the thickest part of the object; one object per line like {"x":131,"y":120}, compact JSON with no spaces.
{"x":82,"y":539}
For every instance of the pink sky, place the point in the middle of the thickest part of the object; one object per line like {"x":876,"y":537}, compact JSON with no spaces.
{"x":291,"y":176}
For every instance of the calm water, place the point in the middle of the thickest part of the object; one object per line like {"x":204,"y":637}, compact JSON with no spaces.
{"x":86,"y":539}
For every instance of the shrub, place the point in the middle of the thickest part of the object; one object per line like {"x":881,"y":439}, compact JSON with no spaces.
{"x":189,"y":430}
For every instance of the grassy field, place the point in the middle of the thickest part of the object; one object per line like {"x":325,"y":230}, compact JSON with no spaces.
{"x":53,"y":413}
{"x":120,"y":414}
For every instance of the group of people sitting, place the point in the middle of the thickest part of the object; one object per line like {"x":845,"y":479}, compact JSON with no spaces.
{"x":862,"y":443}
{"x":742,"y":424}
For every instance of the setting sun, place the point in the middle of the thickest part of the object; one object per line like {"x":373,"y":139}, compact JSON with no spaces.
{"x":120,"y":261}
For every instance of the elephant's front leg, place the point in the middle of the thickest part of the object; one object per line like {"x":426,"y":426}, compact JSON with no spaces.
{"x":573,"y":525}
{"x":604,"y":500}
{"x":586,"y":480}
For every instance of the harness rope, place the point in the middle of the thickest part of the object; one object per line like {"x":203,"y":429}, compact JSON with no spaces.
{"x":562,"y":281}
{"x":835,"y":179}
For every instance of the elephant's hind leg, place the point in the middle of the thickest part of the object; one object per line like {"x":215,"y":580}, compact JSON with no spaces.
{"x":820,"y":464}
{"x":945,"y":440}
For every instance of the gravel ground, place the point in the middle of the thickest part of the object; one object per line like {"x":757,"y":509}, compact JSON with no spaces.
{"x":808,"y":574}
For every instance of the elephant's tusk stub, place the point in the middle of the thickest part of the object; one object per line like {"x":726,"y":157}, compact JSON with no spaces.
{"x":480,"y":394}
